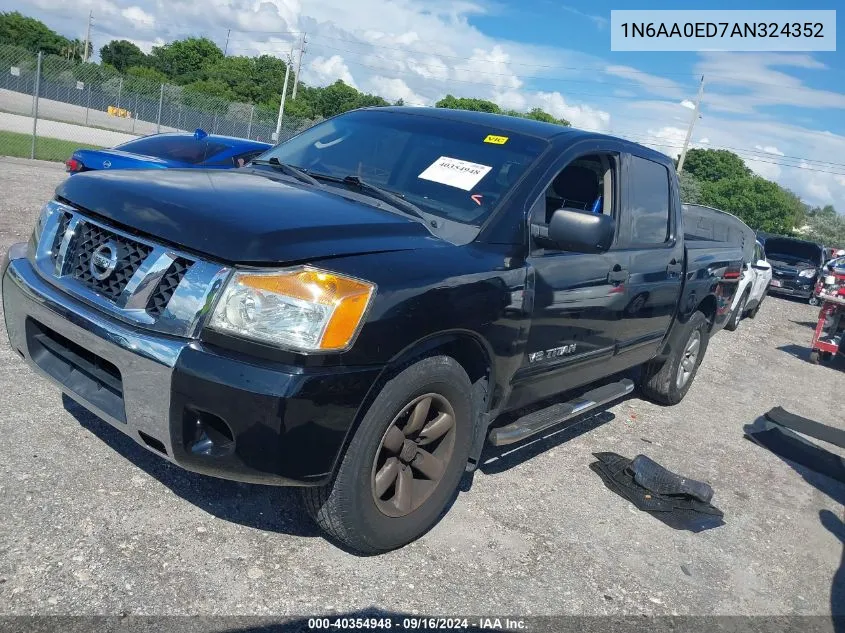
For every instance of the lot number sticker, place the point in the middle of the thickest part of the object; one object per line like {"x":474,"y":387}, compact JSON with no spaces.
{"x":455,"y":172}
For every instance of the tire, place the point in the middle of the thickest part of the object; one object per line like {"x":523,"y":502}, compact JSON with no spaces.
{"x":737,"y":314}
{"x":814,"y":301}
{"x":661,"y":380}
{"x":814,"y":357}
{"x":349,"y":508}
{"x":756,"y":309}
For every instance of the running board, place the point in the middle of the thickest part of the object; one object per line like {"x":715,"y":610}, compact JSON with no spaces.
{"x":543,"y":419}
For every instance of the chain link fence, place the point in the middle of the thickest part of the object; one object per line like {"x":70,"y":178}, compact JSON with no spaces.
{"x":95,"y":106}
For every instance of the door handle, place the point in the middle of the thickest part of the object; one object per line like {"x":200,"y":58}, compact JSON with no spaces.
{"x":617,"y":275}
{"x":675,"y":266}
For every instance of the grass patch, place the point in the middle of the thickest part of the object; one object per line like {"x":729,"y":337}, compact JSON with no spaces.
{"x":20,"y":146}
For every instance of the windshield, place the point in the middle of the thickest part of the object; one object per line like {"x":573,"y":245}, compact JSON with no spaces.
{"x":454,"y":170}
{"x":793,"y":252}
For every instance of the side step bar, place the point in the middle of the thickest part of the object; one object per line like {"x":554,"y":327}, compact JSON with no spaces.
{"x":543,"y":419}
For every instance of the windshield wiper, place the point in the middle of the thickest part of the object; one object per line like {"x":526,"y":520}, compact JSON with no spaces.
{"x":379,"y":193}
{"x":290,"y":170}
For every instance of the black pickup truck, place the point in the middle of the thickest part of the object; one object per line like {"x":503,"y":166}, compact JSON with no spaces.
{"x":353,"y":311}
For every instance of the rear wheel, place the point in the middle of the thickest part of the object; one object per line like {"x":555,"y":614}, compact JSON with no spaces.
{"x":753,"y":311}
{"x":814,"y":357}
{"x":814,"y":301}
{"x":738,"y":313}
{"x":667,"y":381}
{"x":404,"y":463}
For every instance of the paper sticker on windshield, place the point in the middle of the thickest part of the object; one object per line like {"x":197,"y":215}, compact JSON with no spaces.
{"x":455,"y":172}
{"x":496,"y":140}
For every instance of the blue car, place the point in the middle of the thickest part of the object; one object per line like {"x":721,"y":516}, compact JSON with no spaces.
{"x":169,"y":150}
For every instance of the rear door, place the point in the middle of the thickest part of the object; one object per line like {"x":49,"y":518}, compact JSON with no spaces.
{"x":652,"y":239}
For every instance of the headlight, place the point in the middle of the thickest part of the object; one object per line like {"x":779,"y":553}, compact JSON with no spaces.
{"x":46,"y":211}
{"x":302,"y":308}
{"x":808,"y":273}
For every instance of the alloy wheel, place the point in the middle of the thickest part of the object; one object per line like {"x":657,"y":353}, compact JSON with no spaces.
{"x":413,"y":455}
{"x":689,"y":359}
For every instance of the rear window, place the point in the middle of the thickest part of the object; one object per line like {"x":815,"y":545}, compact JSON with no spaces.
{"x":649,"y":201}
{"x":185,"y":149}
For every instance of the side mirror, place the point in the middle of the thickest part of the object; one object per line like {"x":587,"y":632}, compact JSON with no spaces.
{"x":581,"y":231}
{"x":762,"y":265}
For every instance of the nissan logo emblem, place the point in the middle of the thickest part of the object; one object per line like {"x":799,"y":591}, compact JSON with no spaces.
{"x":103,"y":260}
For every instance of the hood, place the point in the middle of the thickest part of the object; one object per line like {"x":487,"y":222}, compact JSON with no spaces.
{"x":795,"y":251}
{"x":239,"y":216}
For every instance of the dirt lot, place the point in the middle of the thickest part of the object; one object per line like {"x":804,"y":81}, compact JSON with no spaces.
{"x":93,"y":524}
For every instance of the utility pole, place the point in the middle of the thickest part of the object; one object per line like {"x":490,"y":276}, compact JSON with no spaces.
{"x":302,"y":43}
{"x":87,"y":37}
{"x":691,"y":125}
{"x":226,"y":48}
{"x":35,"y":105}
{"x":282,"y":104}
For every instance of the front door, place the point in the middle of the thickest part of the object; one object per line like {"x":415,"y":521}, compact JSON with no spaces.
{"x":578,"y":298}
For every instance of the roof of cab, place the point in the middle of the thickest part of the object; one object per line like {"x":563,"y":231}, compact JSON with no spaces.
{"x":518,"y":125}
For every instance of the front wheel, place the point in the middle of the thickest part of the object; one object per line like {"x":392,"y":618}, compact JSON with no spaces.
{"x":814,"y":301}
{"x":753,"y":312}
{"x":404,"y":463}
{"x":667,"y":381}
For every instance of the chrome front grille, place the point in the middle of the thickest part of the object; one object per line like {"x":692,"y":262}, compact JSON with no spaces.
{"x":130,"y":256}
{"x":131,"y":278}
{"x":160,"y":297}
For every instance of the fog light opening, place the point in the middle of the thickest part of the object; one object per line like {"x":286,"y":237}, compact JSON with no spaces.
{"x":208,"y":434}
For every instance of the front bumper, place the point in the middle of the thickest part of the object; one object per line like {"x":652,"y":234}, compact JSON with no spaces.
{"x":208,"y":410}
{"x":793,"y":289}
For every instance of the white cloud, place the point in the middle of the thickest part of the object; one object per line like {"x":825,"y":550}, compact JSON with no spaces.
{"x":598,"y":20}
{"x":330,"y":70}
{"x":686,"y":103}
{"x":769,"y":149}
{"x":655,"y":84}
{"x":394,"y":89}
{"x":704,"y":140}
{"x":137,"y":14}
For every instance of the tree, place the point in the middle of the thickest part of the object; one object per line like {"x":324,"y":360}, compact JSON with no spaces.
{"x":182,"y":60}
{"x":122,"y":54}
{"x":541,"y":115}
{"x":760,"y":203}
{"x":31,"y":34}
{"x":462,"y":103}
{"x":709,"y":165}
{"x":826,"y":226}
{"x":690,"y":188}
{"x":147,"y":74}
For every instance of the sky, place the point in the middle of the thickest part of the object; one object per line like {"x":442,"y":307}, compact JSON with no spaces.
{"x":782,"y":112}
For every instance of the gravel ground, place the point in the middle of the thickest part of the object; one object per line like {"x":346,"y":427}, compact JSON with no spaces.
{"x":91,"y":523}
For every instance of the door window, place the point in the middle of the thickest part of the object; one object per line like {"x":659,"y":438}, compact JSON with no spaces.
{"x":585,"y":184}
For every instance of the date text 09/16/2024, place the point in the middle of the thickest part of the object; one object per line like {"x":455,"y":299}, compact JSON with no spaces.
{"x":418,"y":623}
